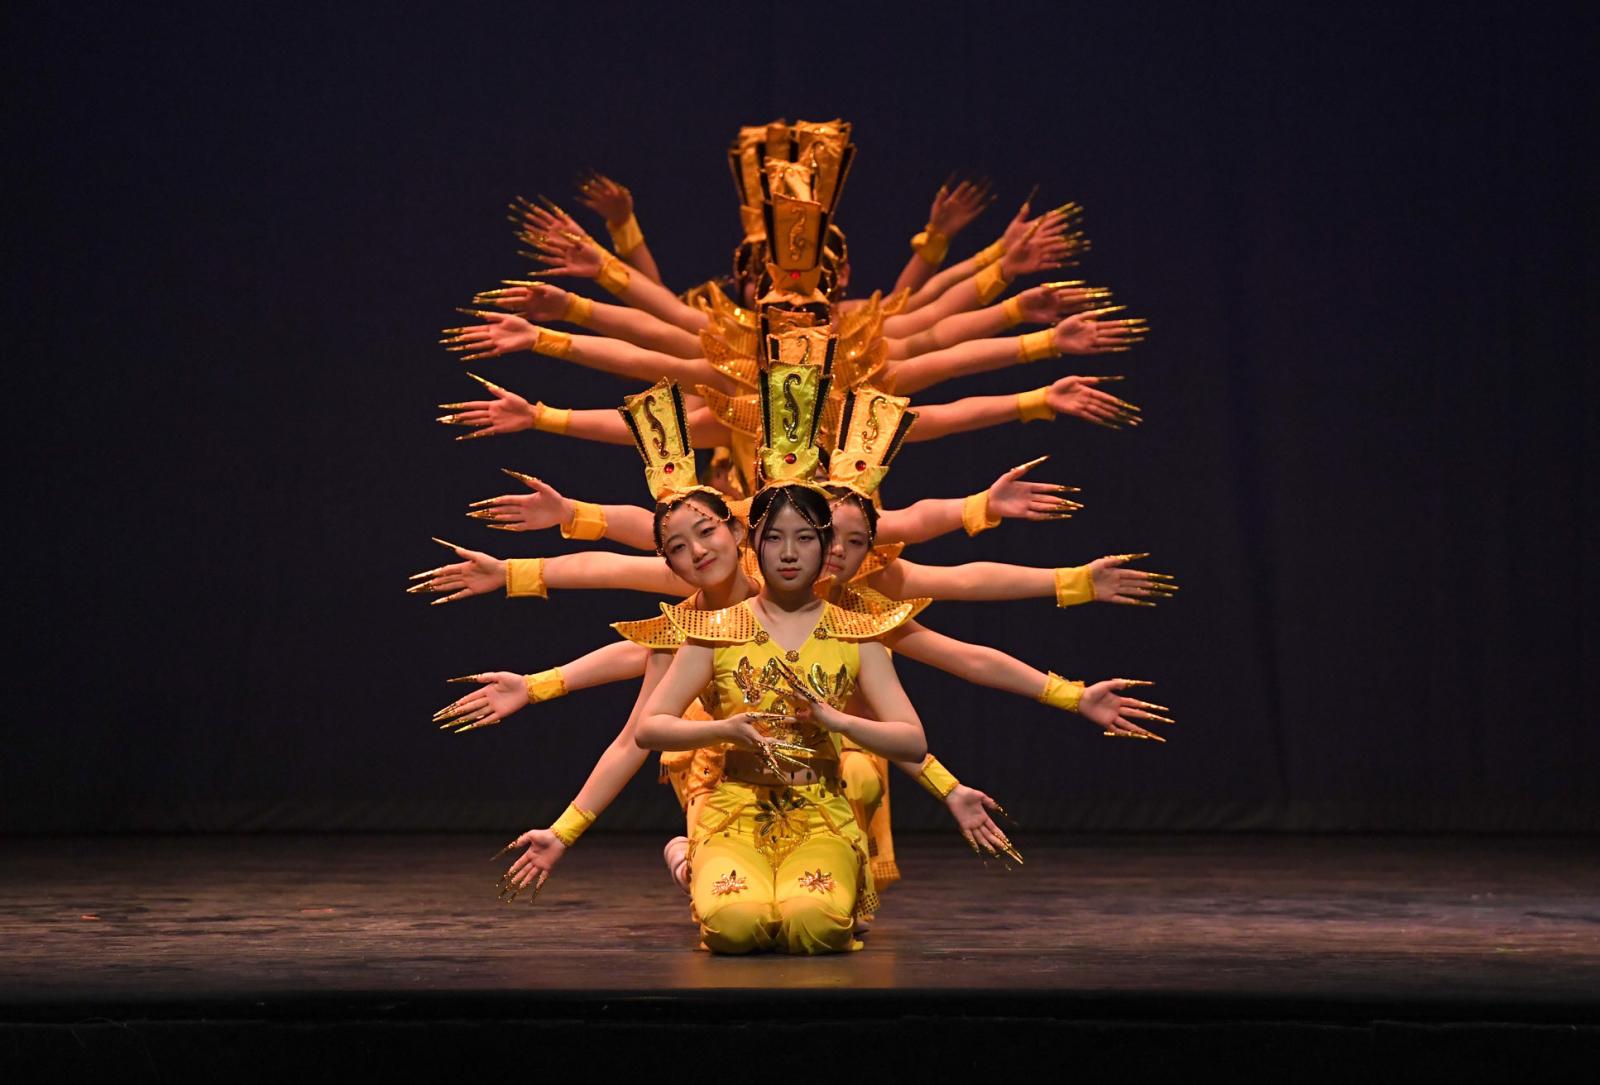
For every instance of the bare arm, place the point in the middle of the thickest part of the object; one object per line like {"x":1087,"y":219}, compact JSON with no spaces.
{"x":623,"y":757}
{"x":602,"y":569}
{"x":662,"y":726}
{"x":977,"y":663}
{"x":613,"y":202}
{"x":972,"y":582}
{"x":1010,"y":497}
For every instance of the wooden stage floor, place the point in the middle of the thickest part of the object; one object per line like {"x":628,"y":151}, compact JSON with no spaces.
{"x":1342,"y":932}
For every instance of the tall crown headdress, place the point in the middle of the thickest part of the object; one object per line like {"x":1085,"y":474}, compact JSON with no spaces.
{"x":660,"y":429}
{"x":796,"y":370}
{"x":872,"y":428}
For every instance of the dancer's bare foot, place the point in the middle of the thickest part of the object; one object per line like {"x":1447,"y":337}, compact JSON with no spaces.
{"x":676,"y":854}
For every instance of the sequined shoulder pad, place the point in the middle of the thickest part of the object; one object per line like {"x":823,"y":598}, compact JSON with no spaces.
{"x":861,"y":625}
{"x":874,"y":602}
{"x":658,"y":632}
{"x":878,"y":559}
{"x":741,"y":413}
{"x":731,"y":625}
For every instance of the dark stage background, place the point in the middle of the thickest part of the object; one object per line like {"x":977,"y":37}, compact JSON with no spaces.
{"x":1364,"y":239}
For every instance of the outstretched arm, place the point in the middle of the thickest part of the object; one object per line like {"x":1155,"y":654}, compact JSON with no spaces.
{"x":503,"y":693}
{"x":617,"y":765}
{"x":1028,"y":245}
{"x":564,"y":251}
{"x":614,"y":203}
{"x":508,"y":412}
{"x":1076,"y":396}
{"x":953,"y":209}
{"x":1082,"y":333}
{"x":539,"y":302}
{"x":1043,"y":304}
{"x":480,"y":574}
{"x":1011,"y":497}
{"x":545,"y":508}
{"x":502,"y":333}
{"x":984,"y":666}
{"x":1104,"y":580}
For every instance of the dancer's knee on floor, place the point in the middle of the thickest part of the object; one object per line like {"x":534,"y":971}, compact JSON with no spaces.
{"x":742,"y":926}
{"x":813,"y":925}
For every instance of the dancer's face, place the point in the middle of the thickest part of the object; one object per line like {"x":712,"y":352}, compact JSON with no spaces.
{"x":789,"y":550}
{"x":851,"y":541}
{"x":700,"y":548}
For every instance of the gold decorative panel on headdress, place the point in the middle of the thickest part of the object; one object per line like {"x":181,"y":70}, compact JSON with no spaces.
{"x":794,"y":232}
{"x":660,"y":429}
{"x":825,"y":146}
{"x":794,"y":385}
{"x":872,"y":428}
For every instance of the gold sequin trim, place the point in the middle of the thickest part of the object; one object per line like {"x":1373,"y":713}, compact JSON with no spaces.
{"x":731,"y":625}
{"x":740,"y":365}
{"x":656,"y":632}
{"x":856,"y":625}
{"x":741,"y":413}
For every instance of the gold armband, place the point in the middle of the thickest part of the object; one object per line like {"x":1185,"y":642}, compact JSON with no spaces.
{"x":545,"y":686}
{"x":1074,"y":585}
{"x":1037,"y":345}
{"x":936,"y":779}
{"x":1031,"y":406}
{"x":555,"y":344}
{"x":992,"y":282}
{"x":571,"y":824}
{"x":975,"y":513}
{"x":931,"y":245}
{"x":579,"y":310}
{"x":990,"y":255}
{"x":1012,"y":310}
{"x":1060,"y":693}
{"x":588,"y":522}
{"x":551,"y":419}
{"x":613,"y":274}
{"x":525,"y":576}
{"x":626,"y":235}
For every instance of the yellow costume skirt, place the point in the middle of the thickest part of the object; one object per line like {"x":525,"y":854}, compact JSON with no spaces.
{"x":778,"y":868}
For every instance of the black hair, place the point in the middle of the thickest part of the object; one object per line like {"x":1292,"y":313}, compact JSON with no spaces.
{"x":811,"y":504}
{"x":710,"y":499}
{"x":868,"y":510}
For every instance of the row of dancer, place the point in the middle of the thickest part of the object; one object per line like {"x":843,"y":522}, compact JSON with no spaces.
{"x":804,"y":392}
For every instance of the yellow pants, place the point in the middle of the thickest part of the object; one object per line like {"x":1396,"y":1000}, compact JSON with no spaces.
{"x":781,"y":869}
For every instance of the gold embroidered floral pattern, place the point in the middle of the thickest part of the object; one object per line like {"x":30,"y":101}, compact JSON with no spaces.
{"x":762,"y":636}
{"x":744,"y":676}
{"x":780,"y":823}
{"x":728,"y":884}
{"x":818,"y":881}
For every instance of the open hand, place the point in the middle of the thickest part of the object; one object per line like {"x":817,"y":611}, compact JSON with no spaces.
{"x":477,"y":574}
{"x":1104,"y":705}
{"x":1013,"y":497}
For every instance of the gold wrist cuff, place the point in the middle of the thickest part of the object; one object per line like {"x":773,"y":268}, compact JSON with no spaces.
{"x":936,"y":779}
{"x":1031,"y":406}
{"x":931,"y":245}
{"x":555,"y":344}
{"x":524,"y":577}
{"x":613,"y":274}
{"x":545,"y":686}
{"x":1036,"y":345}
{"x":975,"y":513}
{"x":579,"y":310}
{"x":1060,"y":693}
{"x":571,"y":824}
{"x":551,"y":419}
{"x":626,"y":236}
{"x":1012,"y":309}
{"x":991,"y":282}
{"x":1074,"y":585}
{"x":588,"y":522}
{"x":989,"y":255}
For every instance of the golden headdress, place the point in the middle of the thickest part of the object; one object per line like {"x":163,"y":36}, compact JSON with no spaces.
{"x":872,"y":428}
{"x":795,"y":374}
{"x":660,"y":429}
